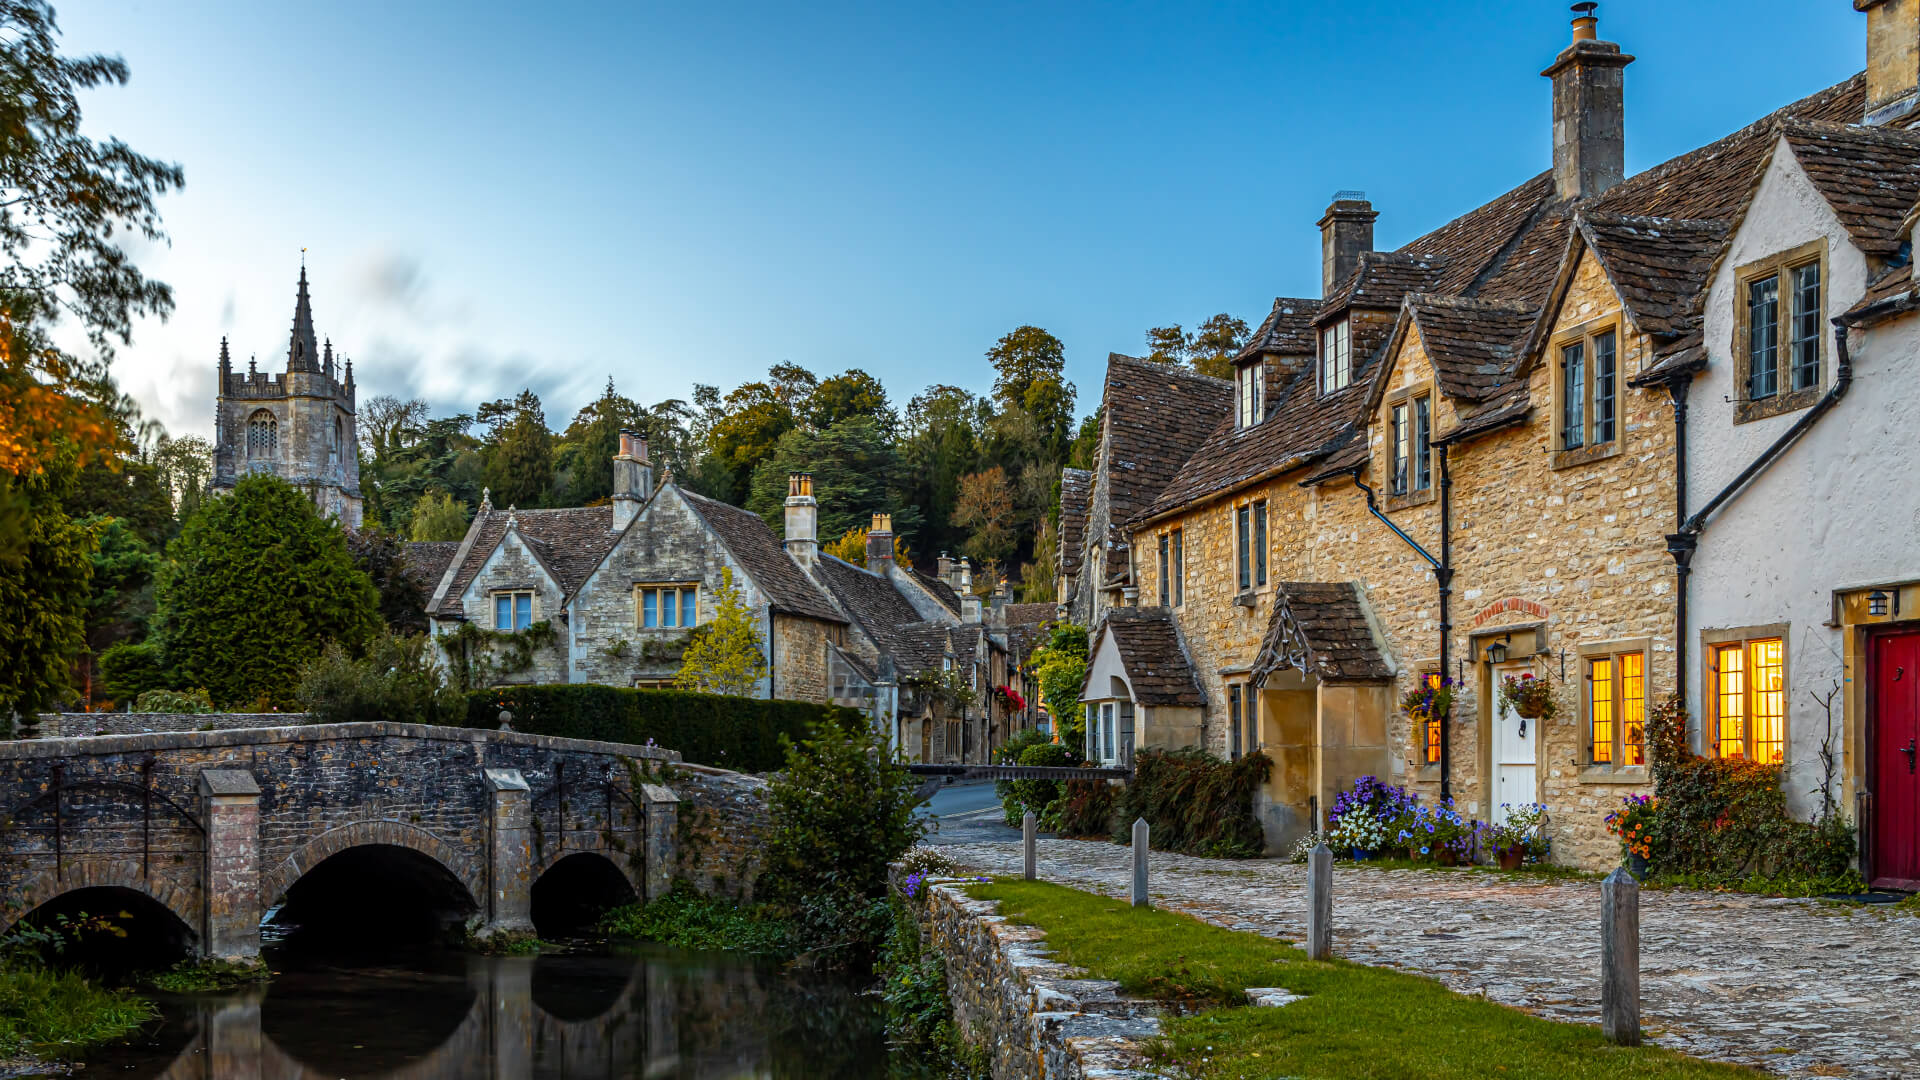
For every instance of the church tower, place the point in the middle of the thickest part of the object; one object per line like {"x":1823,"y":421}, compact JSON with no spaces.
{"x":298,"y":425}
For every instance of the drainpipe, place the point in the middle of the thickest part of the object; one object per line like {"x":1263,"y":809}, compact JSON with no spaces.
{"x":1442,"y":573}
{"x":772,"y":646}
{"x":1680,"y":544}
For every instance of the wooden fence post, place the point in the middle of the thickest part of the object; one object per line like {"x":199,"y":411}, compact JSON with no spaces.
{"x":1139,"y":895}
{"x":1320,"y":903}
{"x":1028,"y":828}
{"x":1620,"y":958}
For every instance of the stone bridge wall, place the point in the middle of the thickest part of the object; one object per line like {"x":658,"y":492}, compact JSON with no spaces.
{"x":76,"y":725}
{"x":721,"y":824}
{"x":217,"y":825}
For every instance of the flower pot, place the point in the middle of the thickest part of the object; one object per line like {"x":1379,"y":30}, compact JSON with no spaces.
{"x":1637,"y":866}
{"x":1530,"y":711}
{"x":1510,"y":857}
{"x":1448,"y":857}
{"x":1361,"y":855}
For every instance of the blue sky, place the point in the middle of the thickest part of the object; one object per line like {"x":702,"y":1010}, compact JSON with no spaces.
{"x":495,"y":196}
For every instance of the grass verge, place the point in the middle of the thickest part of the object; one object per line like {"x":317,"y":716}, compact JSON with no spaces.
{"x":1356,"y":1022}
{"x":687,"y":920}
{"x":59,"y":1014}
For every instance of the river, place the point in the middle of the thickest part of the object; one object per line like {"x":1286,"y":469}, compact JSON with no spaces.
{"x":590,"y":1011}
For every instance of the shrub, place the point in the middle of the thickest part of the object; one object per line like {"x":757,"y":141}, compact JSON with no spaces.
{"x":399,"y":680}
{"x":128,"y":671}
{"x":746,"y":734}
{"x":174,"y":701}
{"x":1038,"y":795}
{"x":1060,"y":665}
{"x":1195,"y":803}
{"x":839,"y":812}
{"x":1009,"y":754}
{"x":1085,"y":808}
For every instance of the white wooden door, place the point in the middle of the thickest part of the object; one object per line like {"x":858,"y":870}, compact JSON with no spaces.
{"x":1515,"y":782}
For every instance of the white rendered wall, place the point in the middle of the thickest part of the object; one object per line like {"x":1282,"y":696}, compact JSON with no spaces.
{"x":1841,"y":507}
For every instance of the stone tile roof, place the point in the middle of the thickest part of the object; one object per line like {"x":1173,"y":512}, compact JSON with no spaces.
{"x":1029,"y":614}
{"x":1507,"y":252}
{"x":1659,"y":266}
{"x":941,"y":591}
{"x":1510,"y":406}
{"x":1155,"y":662}
{"x":427,"y":561}
{"x":570,"y":542}
{"x":1157,"y":415}
{"x":1320,"y":628}
{"x":749,"y":540}
{"x":923,"y":645}
{"x":1287,"y":331}
{"x":1869,"y":175}
{"x":871,"y":600}
{"x":1076,"y":489}
{"x":1474,"y":344}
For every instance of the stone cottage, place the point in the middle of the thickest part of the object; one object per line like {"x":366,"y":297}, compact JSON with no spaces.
{"x":1461,"y":464}
{"x":613,"y":595}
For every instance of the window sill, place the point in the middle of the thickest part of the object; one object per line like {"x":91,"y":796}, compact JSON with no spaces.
{"x":1746,"y":412}
{"x":1416,"y":498}
{"x":1429,"y":772}
{"x":1586,"y":455}
{"x":1608,"y":774}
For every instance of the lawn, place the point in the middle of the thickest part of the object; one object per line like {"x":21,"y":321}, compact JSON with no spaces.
{"x":1356,"y":1023}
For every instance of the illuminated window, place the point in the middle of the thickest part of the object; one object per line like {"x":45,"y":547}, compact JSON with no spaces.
{"x":1615,"y":697}
{"x":1600,"y":703}
{"x":1432,"y":679}
{"x":1633,"y":708}
{"x":1336,"y":357}
{"x":512,"y":610}
{"x":668,"y":605}
{"x":1750,"y":699}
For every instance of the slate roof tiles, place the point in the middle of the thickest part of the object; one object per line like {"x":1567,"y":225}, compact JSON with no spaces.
{"x":1870,"y":176}
{"x":1157,"y":666}
{"x":1473,"y":344}
{"x":750,"y":541}
{"x":1076,"y":488}
{"x":1321,"y":629}
{"x":1287,"y":331}
{"x":569,"y":542}
{"x":1151,"y":412}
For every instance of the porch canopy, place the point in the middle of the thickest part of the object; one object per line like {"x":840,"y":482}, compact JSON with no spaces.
{"x":1140,"y":690}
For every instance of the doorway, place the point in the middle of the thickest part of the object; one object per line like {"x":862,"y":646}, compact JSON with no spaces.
{"x":1515,"y":780}
{"x":1894,"y":703}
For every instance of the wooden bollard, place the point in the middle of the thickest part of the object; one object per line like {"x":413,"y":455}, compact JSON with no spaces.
{"x":1319,"y":903}
{"x":1029,"y":827}
{"x":1620,"y":958}
{"x":1139,"y":892}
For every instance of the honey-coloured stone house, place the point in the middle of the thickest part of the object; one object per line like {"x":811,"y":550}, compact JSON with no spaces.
{"x":622,"y":588}
{"x":1463,"y":461}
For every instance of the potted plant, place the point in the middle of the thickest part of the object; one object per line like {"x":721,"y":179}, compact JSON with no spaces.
{"x":1359,"y":816}
{"x":1633,"y":824}
{"x":1522,"y":837}
{"x":1527,"y":696}
{"x":1426,"y":702}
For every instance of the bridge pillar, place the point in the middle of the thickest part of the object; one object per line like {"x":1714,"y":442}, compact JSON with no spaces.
{"x":663,"y":812}
{"x":509,"y":853}
{"x":230,"y":904}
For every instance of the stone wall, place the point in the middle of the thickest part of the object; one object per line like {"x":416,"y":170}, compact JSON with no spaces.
{"x":721,"y":829}
{"x":75,"y":725}
{"x":512,"y":566}
{"x":799,"y":656}
{"x":1033,"y":1016}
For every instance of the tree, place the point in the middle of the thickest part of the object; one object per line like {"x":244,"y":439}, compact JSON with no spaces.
{"x":1025,"y":356}
{"x":727,"y":655}
{"x":120,"y":598}
{"x":847,"y":395}
{"x":746,"y":425}
{"x":839,"y":812}
{"x":70,"y":203}
{"x":44,"y":590}
{"x":438,"y":517}
{"x":381,"y":556}
{"x":1217,"y":343}
{"x":856,"y":474}
{"x":1036,"y":578}
{"x":519,"y":451}
{"x":1085,"y":451}
{"x":584,"y":463}
{"x":399,"y":680}
{"x":386,"y":424}
{"x":1168,"y":345}
{"x":185,"y":464}
{"x":255,"y":586}
{"x":985,"y":509}
{"x":851,"y":546}
{"x":942,"y":445}
{"x":1060,"y":665}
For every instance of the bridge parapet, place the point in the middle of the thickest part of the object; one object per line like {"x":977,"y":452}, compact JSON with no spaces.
{"x":218,"y":825}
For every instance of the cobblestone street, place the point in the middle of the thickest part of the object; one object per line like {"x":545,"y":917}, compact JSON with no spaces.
{"x":1797,"y":987}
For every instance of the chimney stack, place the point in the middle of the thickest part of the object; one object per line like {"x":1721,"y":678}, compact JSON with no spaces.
{"x":802,"y":532}
{"x":1589,"y":116}
{"x":1893,"y":58}
{"x":944,"y":568}
{"x":1346,"y":232}
{"x":969,"y":600}
{"x":880,"y":544}
{"x":632,"y":478}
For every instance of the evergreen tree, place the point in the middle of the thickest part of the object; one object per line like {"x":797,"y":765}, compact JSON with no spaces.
{"x":120,"y":598}
{"x":727,"y":654}
{"x":942,"y":445}
{"x":584,"y":462}
{"x":438,"y":517}
{"x":519,"y":451}
{"x":381,"y":556}
{"x":44,"y":590}
{"x":254,"y":587}
{"x":856,"y":474}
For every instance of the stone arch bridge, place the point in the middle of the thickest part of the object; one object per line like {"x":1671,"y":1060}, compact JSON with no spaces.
{"x":217,"y":826}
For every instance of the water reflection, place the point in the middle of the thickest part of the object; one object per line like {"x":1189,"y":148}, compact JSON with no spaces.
{"x":658,"y":1014}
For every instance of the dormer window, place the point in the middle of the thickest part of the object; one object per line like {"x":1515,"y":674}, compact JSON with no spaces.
{"x":1779,"y":350}
{"x":1336,"y":357}
{"x":1247,"y":387}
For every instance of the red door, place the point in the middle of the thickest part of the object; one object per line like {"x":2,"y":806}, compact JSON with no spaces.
{"x":1896,"y":743}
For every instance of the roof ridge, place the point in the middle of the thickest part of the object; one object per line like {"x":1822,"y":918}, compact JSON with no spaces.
{"x":1157,"y":368}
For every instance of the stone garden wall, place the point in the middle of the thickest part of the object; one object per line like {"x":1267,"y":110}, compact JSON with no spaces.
{"x":721,"y":828}
{"x":76,"y":725}
{"x":1034,"y":1017}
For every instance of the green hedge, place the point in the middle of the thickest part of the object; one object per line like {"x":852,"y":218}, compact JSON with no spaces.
{"x":708,"y":729}
{"x":1195,"y":803}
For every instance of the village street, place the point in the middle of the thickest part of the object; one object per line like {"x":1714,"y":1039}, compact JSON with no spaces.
{"x":1798,"y":987}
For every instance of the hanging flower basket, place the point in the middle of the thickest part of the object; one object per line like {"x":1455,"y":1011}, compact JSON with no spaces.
{"x":1423,"y":702}
{"x":1528,"y":697}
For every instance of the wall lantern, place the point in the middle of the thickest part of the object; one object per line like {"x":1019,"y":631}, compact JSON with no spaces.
{"x":1877,"y":604}
{"x":1496,"y":652}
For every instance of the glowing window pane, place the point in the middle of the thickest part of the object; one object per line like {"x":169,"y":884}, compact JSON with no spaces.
{"x":1633,"y":708}
{"x":1769,"y":700}
{"x":1600,"y":682}
{"x":1730,"y":688}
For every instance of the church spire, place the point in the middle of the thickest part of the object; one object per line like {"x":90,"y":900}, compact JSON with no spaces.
{"x":226,"y":363}
{"x":326,"y":362}
{"x":303,"y":352}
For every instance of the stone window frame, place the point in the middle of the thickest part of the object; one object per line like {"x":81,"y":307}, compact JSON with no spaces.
{"x":493,"y":605}
{"x":1249,"y":394}
{"x":1407,"y":395}
{"x":1585,"y":334}
{"x":1171,"y":558}
{"x":1333,"y":332}
{"x":1615,"y":771}
{"x":1711,"y":642}
{"x":266,"y":421}
{"x":1785,"y":400}
{"x":1256,"y":551}
{"x":639,"y":608}
{"x":1243,"y":715}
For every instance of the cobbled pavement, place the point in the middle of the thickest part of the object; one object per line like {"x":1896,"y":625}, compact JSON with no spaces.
{"x":1799,"y":988}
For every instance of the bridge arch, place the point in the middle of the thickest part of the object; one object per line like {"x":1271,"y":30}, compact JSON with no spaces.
{"x":468,"y":868}
{"x":45,"y":887}
{"x":572,"y":888}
